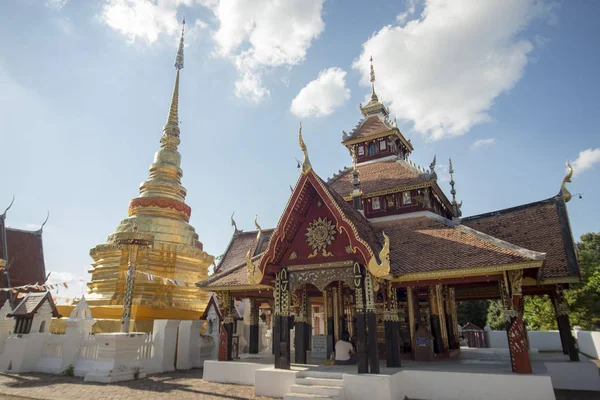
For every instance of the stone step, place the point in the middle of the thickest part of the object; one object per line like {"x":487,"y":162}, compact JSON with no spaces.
{"x":320,"y":374}
{"x":304,"y":396}
{"x":331,"y":391}
{"x":310,"y":381}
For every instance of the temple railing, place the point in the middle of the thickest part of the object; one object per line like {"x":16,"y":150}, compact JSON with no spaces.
{"x":146,"y":351}
{"x":89,"y":348}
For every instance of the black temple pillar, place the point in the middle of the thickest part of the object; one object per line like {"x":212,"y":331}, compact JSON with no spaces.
{"x":371,"y":316}
{"x":564,"y":325}
{"x":361,"y":321}
{"x":393,"y":344}
{"x":283,"y":362}
{"x":253,"y":346}
{"x":436,"y":328}
{"x":302,"y":329}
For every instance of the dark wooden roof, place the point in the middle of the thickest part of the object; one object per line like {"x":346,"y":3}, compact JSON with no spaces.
{"x":31,"y":303}
{"x":432,"y":243}
{"x":25,"y":257}
{"x":240,"y":243}
{"x":380,"y":175}
{"x":541,"y":226}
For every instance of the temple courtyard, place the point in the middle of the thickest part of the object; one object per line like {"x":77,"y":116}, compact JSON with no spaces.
{"x":190,"y":384}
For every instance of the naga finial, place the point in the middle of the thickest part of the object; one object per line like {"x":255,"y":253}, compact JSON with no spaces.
{"x":45,"y":221}
{"x":255,"y":275}
{"x":432,"y":166}
{"x":380,"y":270}
{"x":9,"y":206}
{"x":567,"y":179}
{"x":306,"y":166}
{"x":256,"y":224}
{"x":236,"y":230}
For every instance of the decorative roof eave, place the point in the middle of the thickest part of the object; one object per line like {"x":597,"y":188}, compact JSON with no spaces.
{"x":393,"y":190}
{"x":471,"y":271}
{"x":238,"y":288}
{"x":391,"y":131}
{"x":343,"y":223}
{"x":566,"y":279}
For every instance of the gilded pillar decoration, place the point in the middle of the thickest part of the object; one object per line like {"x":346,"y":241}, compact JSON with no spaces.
{"x":512,"y":297}
{"x":453,"y":312}
{"x":411,"y":311}
{"x":276,"y":295}
{"x":336,"y":313}
{"x":392,"y":328}
{"x":433,"y":303}
{"x":284,"y":294}
{"x":369,"y":295}
{"x":443,"y":327}
{"x":253,"y":345}
{"x":358,"y":290}
{"x":435,"y":319}
{"x":325,"y":303}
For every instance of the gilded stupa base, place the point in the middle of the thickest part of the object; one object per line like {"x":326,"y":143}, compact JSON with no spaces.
{"x":108,"y":318}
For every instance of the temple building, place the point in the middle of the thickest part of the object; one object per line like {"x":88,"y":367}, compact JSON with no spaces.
{"x":21,"y":259}
{"x":177,"y":255}
{"x":386,"y":255}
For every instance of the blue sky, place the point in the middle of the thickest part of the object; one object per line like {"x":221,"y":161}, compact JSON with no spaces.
{"x":508,"y":89}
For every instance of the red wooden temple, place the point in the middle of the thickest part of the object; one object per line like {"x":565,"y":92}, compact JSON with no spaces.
{"x":387,"y":255}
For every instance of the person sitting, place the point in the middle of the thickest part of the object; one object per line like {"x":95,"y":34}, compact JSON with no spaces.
{"x":344,"y":351}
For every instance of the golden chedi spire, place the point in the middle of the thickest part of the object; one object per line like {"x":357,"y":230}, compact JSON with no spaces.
{"x":177,"y":259}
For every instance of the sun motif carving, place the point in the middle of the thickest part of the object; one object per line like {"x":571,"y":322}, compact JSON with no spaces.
{"x":320,"y":234}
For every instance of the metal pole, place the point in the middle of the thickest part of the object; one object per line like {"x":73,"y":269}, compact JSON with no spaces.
{"x":129,"y":286}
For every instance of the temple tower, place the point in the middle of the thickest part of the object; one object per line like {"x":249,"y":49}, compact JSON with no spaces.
{"x":177,"y":258}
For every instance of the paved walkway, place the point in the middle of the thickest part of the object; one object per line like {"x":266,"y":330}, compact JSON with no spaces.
{"x":174,"y":385}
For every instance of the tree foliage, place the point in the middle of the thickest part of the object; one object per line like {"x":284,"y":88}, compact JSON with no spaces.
{"x":583,"y":298}
{"x":495,"y":316}
{"x":474,"y":311}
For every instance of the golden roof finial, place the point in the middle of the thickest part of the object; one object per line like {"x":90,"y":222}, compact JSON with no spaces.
{"x":354,"y":158}
{"x":255,"y":275}
{"x":567,"y":179}
{"x":256,"y":224}
{"x":455,"y":206}
{"x":236,"y":230}
{"x":306,"y":166}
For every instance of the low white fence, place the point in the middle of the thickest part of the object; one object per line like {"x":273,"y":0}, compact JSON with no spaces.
{"x":541,"y":340}
{"x":589,"y":343}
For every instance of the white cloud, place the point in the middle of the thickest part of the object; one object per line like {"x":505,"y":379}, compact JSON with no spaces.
{"x":444,"y":70}
{"x":146,"y":19}
{"x":56,"y":4}
{"x":586,"y":160}
{"x":262,"y":34}
{"x":323,"y":95}
{"x":482,"y":142}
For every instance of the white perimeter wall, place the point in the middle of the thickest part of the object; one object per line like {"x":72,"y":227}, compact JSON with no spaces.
{"x":541,"y":340}
{"x":589,"y":343}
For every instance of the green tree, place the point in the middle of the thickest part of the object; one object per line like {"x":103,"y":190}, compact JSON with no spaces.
{"x":495,"y":316}
{"x":474,"y":311}
{"x":583,"y":298}
{"x":539,"y":313}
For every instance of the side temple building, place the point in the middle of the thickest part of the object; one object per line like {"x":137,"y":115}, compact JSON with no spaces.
{"x":387,"y":256}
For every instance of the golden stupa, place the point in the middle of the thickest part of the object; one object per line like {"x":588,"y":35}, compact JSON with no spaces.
{"x":177,"y":254}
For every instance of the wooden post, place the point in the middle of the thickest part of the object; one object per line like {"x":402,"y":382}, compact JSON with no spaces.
{"x":392,"y":329}
{"x":284,"y":319}
{"x":361,"y":322}
{"x":512,"y":298}
{"x":276,"y":318}
{"x":253,"y":345}
{"x":564,"y":325}
{"x":373,"y":352}
{"x":328,"y":296}
{"x":301,"y":329}
{"x":436,"y":329}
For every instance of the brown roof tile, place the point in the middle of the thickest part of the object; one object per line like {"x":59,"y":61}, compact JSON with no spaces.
{"x":31,"y":303}
{"x":425,"y":244}
{"x":369,"y":126}
{"x":239,"y":246}
{"x":377,"y":176}
{"x":25,"y":258}
{"x":542,"y":226}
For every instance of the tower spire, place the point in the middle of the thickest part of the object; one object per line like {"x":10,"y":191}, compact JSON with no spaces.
{"x":165,"y":173}
{"x":373,"y":95}
{"x":455,"y":206}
